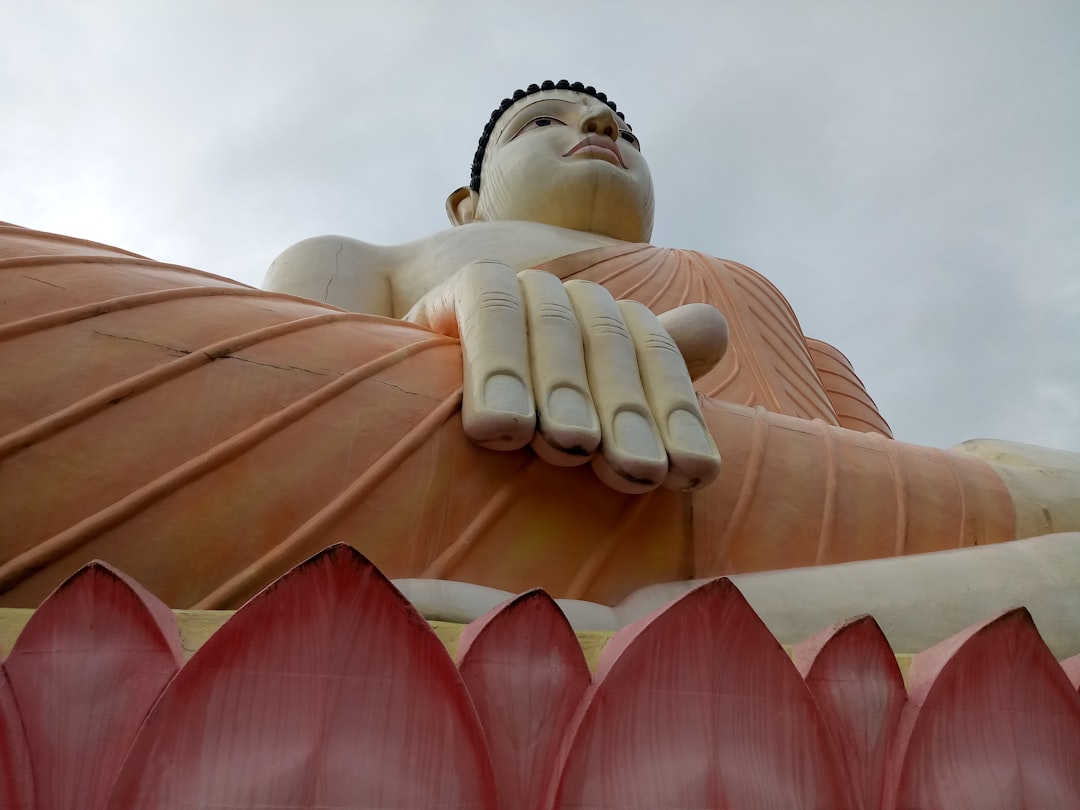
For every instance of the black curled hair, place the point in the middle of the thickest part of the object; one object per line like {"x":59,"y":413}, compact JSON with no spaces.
{"x":563,"y":84}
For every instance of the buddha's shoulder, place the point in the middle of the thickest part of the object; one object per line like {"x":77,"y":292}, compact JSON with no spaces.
{"x":306,"y":267}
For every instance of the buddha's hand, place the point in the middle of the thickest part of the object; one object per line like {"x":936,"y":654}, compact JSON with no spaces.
{"x":609,"y":381}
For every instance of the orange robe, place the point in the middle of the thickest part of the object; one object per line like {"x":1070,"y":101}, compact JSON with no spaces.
{"x":204,"y":437}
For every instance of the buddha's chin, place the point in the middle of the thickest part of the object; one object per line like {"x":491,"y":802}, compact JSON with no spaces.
{"x":582,"y":194}
{"x":632,"y":227}
{"x":616,"y":212}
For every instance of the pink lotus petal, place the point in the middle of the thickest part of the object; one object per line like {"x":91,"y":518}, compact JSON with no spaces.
{"x":852,"y":673}
{"x":1072,"y":670}
{"x":526,"y":673}
{"x":326,"y":690}
{"x":85,"y":672}
{"x":698,"y":706}
{"x":992,"y":722}
{"x":16,"y":777}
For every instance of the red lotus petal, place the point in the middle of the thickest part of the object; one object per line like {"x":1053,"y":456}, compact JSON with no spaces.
{"x":526,"y":673}
{"x":16,"y":778}
{"x":698,"y":706}
{"x":852,"y":673}
{"x":326,"y":690}
{"x":85,"y":672}
{"x":992,"y":722}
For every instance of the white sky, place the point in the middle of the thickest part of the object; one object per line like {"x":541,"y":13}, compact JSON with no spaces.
{"x":907,"y":173}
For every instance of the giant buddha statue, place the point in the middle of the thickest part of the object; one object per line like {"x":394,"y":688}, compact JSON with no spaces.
{"x":560,"y":192}
{"x":535,"y":396}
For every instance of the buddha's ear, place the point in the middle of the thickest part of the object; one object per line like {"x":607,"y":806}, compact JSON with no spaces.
{"x":461,"y":205}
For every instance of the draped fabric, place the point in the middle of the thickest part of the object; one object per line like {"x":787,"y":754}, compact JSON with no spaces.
{"x":205,"y":437}
{"x":769,"y":362}
{"x":854,"y":408}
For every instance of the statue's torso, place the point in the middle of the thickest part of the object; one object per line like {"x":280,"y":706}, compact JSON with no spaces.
{"x":769,"y":363}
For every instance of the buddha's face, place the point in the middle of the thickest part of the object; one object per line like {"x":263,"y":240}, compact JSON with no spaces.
{"x":564,"y":158}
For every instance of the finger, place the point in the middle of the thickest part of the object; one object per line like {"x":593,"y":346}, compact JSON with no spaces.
{"x":700,"y":332}
{"x":632,"y":457}
{"x":694,"y":460}
{"x":569,"y":431}
{"x":497,"y":404}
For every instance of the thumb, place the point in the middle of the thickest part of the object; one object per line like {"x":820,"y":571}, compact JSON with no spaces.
{"x":700,"y":332}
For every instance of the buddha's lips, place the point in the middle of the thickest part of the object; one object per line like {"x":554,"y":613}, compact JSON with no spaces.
{"x":599,"y":142}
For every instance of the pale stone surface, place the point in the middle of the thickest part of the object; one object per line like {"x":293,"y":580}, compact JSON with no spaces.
{"x":1045,"y":483}
{"x":918,"y":600}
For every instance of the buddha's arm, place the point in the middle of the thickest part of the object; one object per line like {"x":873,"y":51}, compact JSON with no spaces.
{"x":345,"y":272}
{"x":1044,"y":484}
{"x":795,"y":492}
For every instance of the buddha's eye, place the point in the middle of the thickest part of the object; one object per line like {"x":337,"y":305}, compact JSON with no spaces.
{"x":543,"y":121}
{"x":630,"y":138}
{"x":536,"y":123}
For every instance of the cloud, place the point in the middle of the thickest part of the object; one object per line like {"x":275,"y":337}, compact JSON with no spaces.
{"x":907,"y":174}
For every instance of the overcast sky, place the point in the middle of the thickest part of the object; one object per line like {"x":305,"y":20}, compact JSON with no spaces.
{"x":907,"y":173}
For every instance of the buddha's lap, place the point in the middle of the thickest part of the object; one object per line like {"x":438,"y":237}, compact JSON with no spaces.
{"x":204,"y":437}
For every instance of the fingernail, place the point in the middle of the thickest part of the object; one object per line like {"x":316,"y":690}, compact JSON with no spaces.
{"x":506,"y":392}
{"x":635,"y":435}
{"x":568,"y":407}
{"x":687,"y":432}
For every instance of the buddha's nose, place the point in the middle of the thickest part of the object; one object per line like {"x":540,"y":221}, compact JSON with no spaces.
{"x":599,"y":119}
